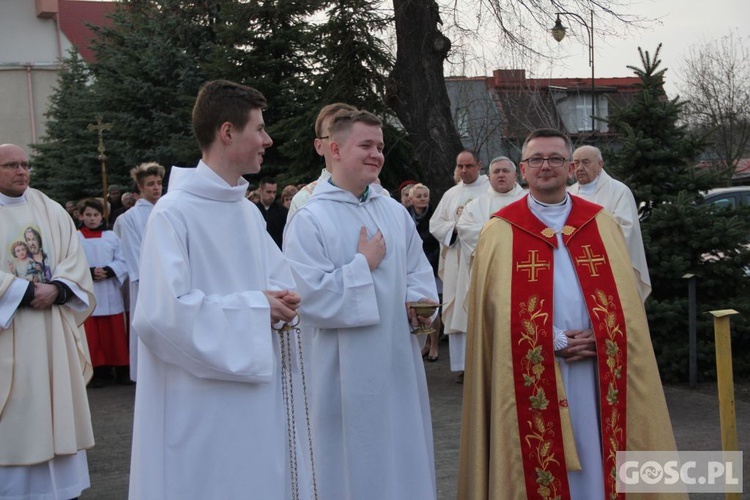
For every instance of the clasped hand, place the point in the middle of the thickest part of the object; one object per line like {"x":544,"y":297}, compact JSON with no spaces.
{"x":100,"y":274}
{"x":44,"y":295}
{"x":581,"y":345}
{"x":284,"y":304}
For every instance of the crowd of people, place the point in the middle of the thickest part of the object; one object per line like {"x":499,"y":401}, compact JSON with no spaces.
{"x":209,"y":303}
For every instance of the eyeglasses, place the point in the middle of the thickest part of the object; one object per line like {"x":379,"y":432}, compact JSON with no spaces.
{"x":324,"y":137}
{"x":552,"y":161}
{"x":13,"y":165}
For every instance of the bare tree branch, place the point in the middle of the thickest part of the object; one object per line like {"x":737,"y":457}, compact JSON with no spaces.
{"x":716,"y":85}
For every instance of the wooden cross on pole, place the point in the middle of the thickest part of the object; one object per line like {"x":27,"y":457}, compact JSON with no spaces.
{"x":100,"y":127}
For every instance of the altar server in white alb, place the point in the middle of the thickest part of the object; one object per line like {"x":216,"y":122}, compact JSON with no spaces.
{"x":129,"y":227}
{"x":209,"y":414}
{"x":596,"y":185}
{"x":105,"y":328}
{"x":504,"y":190}
{"x":443,"y":227}
{"x":358,"y":260}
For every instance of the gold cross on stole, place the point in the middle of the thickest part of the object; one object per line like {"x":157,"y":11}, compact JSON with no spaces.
{"x":591,"y":260}
{"x":532,"y":265}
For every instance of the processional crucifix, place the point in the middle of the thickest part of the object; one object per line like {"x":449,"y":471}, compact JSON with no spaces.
{"x":101,"y":127}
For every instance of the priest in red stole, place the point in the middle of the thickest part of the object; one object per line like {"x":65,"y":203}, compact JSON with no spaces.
{"x":560,"y":370}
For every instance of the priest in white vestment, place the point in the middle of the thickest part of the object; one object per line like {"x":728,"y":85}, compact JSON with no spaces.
{"x":357,"y":260}
{"x":443,"y":228}
{"x":210,"y":420}
{"x":596,"y":185}
{"x":45,"y":296}
{"x":504,"y":190}
{"x":129,"y":227}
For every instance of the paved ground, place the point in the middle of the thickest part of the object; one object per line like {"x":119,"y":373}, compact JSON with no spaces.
{"x":694,"y":413}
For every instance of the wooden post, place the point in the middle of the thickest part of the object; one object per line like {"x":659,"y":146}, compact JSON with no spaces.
{"x":725,"y":382}
{"x":725,"y":378}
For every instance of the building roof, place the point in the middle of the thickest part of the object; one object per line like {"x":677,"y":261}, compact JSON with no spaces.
{"x":74,"y":15}
{"x":529,"y":103}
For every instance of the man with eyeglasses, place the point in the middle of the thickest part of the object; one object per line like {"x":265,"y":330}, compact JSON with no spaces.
{"x":45,"y":423}
{"x":443,"y":228}
{"x":504,"y":190}
{"x":321,"y":139}
{"x":596,"y":185}
{"x":560,"y":371}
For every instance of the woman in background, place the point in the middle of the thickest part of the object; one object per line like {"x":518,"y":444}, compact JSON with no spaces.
{"x":421,"y":211}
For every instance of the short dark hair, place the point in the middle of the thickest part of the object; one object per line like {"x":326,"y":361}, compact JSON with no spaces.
{"x":266,"y":180}
{"x":471,"y":152}
{"x":344,"y":120}
{"x":91,"y":203}
{"x":221,"y":101}
{"x":547,"y":132}
{"x":327,"y":111}
{"x":146,"y":170}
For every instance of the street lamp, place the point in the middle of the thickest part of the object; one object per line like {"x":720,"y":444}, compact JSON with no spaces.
{"x":558,"y":33}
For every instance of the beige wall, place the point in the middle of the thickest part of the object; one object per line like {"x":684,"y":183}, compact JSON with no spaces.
{"x":30,"y":50}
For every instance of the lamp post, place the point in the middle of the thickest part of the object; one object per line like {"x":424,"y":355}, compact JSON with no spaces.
{"x":558,"y":33}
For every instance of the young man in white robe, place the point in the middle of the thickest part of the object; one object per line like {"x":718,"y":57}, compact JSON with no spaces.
{"x":130,"y":228}
{"x":45,"y":423}
{"x":358,"y":261}
{"x":596,"y":185}
{"x":504,"y":190}
{"x":209,"y":413}
{"x":443,"y":227}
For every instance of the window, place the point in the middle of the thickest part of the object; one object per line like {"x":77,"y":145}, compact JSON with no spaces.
{"x":584,"y":111}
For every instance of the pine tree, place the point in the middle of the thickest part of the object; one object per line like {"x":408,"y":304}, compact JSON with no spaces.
{"x":154,"y":59}
{"x":148,"y":72}
{"x":681,"y":235}
{"x":352,"y":63}
{"x":274,"y":43}
{"x":65,"y":164}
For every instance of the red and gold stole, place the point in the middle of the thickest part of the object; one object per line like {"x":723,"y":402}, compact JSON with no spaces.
{"x":538,"y":402}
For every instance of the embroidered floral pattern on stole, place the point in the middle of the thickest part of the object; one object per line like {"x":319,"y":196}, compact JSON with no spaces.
{"x":541,"y":433}
{"x":606,"y":312}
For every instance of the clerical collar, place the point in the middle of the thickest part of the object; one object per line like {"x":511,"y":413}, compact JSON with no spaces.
{"x":7,"y":201}
{"x":559,"y":204}
{"x":588,"y":189}
{"x":362,"y":198}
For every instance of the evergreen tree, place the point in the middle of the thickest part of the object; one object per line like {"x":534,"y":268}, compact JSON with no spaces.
{"x":65,"y":164}
{"x":681,"y":235}
{"x":352,"y":66}
{"x":148,"y":72}
{"x":154,"y":59}
{"x":273,"y":51}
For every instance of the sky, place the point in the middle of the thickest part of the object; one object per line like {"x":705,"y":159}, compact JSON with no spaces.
{"x":683,"y":23}
{"x":679,"y":25}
